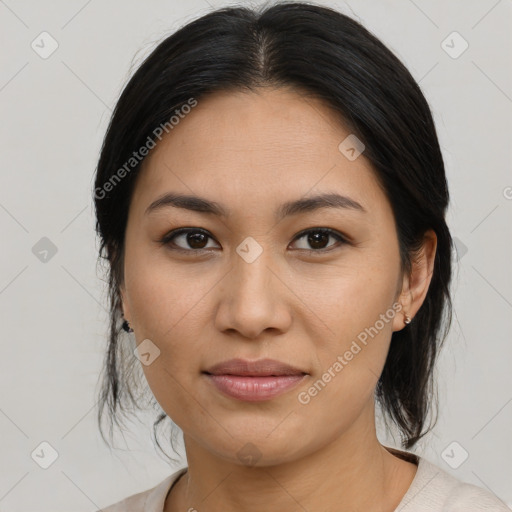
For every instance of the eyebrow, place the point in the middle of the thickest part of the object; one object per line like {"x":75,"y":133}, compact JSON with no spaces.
{"x":202,"y":205}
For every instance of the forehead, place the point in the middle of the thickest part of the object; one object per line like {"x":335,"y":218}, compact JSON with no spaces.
{"x":260,"y":122}
{"x":257,"y":147}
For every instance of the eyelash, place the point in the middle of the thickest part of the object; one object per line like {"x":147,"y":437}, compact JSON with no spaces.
{"x":166,"y":240}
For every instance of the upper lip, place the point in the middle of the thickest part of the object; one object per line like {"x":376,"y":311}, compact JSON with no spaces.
{"x":258,"y":368}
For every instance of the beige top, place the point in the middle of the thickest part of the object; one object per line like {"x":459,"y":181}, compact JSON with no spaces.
{"x":432,"y":490}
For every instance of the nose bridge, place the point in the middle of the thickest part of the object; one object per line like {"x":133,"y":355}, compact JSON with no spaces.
{"x":250,"y":304}
{"x":251,"y":271}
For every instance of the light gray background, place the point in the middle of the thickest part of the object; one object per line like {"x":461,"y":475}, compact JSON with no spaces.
{"x":55,"y":112}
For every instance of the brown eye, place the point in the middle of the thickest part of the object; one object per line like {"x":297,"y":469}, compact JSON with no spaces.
{"x":190,"y":239}
{"x":196,"y":240}
{"x":318,"y":239}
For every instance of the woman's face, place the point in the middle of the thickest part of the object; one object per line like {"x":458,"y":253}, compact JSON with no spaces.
{"x":252,"y":288}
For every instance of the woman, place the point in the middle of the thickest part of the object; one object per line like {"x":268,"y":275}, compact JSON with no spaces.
{"x":271,"y":201}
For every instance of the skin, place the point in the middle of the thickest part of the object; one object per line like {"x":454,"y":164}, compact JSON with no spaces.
{"x":250,"y":152}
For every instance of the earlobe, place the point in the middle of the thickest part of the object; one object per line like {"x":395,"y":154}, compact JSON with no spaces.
{"x":125,"y":311}
{"x":405,"y":313}
{"x":124,"y":304}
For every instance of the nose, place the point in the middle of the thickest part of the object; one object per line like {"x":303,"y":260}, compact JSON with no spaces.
{"x":254,"y":298}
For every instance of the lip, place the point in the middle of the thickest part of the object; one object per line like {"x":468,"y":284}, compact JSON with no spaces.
{"x":254,"y":381}
{"x":258,"y":368}
{"x":254,"y":389}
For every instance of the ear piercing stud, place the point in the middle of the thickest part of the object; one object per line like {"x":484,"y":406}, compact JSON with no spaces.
{"x":126,"y":326}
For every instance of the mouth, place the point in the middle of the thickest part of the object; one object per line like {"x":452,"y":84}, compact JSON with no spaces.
{"x":256,"y":374}
{"x":254,"y":389}
{"x":258,"y":368}
{"x":254,"y":380}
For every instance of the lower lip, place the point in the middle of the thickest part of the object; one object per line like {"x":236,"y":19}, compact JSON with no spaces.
{"x":254,"y":389}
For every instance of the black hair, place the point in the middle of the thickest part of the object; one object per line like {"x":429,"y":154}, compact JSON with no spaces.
{"x":327,"y":55}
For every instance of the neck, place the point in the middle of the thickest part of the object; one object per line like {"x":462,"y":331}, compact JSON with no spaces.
{"x":351,"y":472}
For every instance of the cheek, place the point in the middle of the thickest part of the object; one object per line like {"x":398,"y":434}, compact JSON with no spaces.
{"x":163,"y":297}
{"x":356,"y":312}
{"x":348,"y":299}
{"x":167,"y":305}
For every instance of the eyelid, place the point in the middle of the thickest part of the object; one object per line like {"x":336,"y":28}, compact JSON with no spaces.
{"x":342,"y":239}
{"x":166,"y":239}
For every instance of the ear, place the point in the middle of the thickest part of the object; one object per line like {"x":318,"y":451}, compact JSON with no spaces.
{"x":124,"y":303}
{"x":415,"y":286}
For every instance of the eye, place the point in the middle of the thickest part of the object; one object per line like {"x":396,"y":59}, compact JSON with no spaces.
{"x":318,"y":237}
{"x":195,"y":238}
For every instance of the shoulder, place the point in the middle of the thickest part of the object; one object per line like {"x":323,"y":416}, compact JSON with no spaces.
{"x":435,"y":490}
{"x":466,"y":497}
{"x":151,"y":500}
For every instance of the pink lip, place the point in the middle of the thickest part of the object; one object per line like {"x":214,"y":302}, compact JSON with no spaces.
{"x":253,"y":389}
{"x":258,"y":368}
